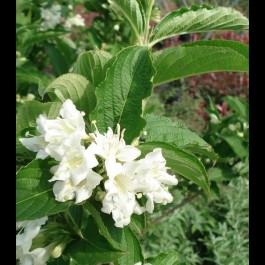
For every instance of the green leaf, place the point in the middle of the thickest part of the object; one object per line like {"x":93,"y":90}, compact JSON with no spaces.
{"x":198,"y":19}
{"x":208,"y":56}
{"x":181,"y":162}
{"x":67,"y":48}
{"x":162,"y":129}
{"x":239,"y":106}
{"x":75,"y":87}
{"x":34,"y":195}
{"x":82,"y":252}
{"x":91,"y":65}
{"x":29,"y":112}
{"x":36,"y":37}
{"x":58,"y":61}
{"x":120,"y":95}
{"x":134,"y":13}
{"x":237,"y":46}
{"x":88,"y":233}
{"x":123,"y":239}
{"x":28,"y":73}
{"x":238,"y":145}
{"x":220,"y":174}
{"x":138,"y":223}
{"x":169,"y":258}
{"x":59,"y":261}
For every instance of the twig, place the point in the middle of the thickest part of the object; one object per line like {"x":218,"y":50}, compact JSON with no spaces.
{"x":171,"y":210}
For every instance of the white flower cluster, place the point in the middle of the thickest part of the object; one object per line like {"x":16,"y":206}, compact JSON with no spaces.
{"x":101,"y":161}
{"x":51,"y":17}
{"x":76,"y":20}
{"x":31,"y":229}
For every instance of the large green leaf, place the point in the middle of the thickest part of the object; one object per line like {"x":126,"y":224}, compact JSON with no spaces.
{"x":91,"y":65}
{"x":83,"y":252}
{"x":169,"y":258}
{"x":120,"y":95}
{"x":198,"y":19}
{"x":199,"y":58}
{"x":123,"y":239}
{"x":75,"y":87}
{"x":239,"y":106}
{"x":90,"y":240}
{"x":34,"y":195}
{"x":181,"y":162}
{"x":29,"y":112}
{"x":163,"y":129}
{"x":237,"y":46}
{"x":134,"y":13}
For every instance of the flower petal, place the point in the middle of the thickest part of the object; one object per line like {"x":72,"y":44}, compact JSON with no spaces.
{"x":128,"y":153}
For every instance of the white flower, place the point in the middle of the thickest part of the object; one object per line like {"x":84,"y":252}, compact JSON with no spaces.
{"x":120,"y":198}
{"x":38,"y":256}
{"x":66,"y":190}
{"x":35,"y":144}
{"x":24,"y":239}
{"x":74,"y":174}
{"x":51,"y":17}
{"x":55,"y":133}
{"x":76,"y":163}
{"x":150,"y":178}
{"x":76,"y":20}
{"x":114,"y":150}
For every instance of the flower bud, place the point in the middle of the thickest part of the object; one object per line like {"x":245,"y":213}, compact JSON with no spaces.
{"x":58,"y":250}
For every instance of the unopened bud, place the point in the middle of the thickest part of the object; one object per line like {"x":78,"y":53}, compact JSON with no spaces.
{"x":139,"y":195}
{"x":58,"y":250}
{"x":100,"y":195}
{"x":116,"y":27}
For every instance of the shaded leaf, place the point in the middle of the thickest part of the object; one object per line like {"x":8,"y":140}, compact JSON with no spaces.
{"x":34,"y":195}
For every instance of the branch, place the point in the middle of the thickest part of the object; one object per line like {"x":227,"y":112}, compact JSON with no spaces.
{"x":171,"y":210}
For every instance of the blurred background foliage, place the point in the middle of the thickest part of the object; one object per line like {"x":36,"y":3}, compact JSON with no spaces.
{"x":49,"y":37}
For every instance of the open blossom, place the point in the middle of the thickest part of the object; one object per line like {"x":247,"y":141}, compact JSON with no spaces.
{"x":120,"y":199}
{"x":24,"y":242}
{"x":67,"y":189}
{"x":55,"y":133}
{"x":148,"y":177}
{"x":76,"y":20}
{"x":113,"y":149}
{"x":151,"y":178}
{"x":74,"y":174}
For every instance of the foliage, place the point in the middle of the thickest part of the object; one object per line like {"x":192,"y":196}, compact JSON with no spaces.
{"x":96,"y":139}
